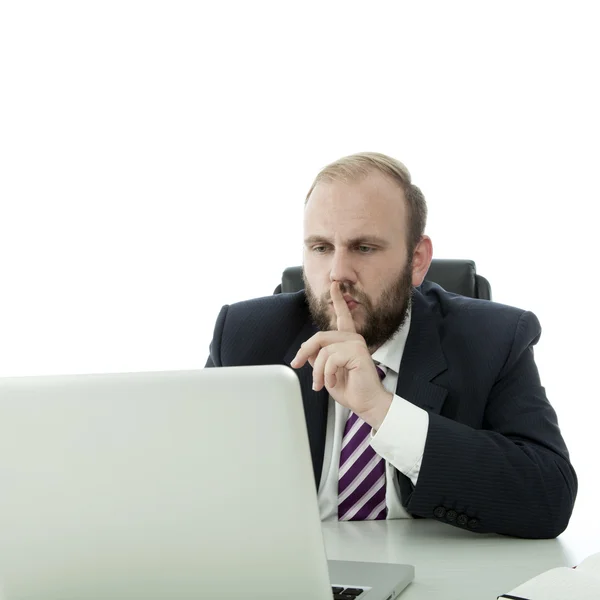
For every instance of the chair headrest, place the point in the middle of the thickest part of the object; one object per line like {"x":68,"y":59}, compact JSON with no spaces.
{"x":456,"y":276}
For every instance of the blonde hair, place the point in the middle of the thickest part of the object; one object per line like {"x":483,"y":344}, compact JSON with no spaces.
{"x":358,"y":166}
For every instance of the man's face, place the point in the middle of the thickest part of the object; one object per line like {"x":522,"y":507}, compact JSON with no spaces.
{"x":355,"y":233}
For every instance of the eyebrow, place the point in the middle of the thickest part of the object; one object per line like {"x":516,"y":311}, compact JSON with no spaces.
{"x":363,"y":239}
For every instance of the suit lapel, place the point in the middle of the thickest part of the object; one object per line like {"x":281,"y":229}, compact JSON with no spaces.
{"x":315,"y":403}
{"x":422,"y":359}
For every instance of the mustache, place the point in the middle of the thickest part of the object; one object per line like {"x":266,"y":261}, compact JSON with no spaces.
{"x":345,"y":288}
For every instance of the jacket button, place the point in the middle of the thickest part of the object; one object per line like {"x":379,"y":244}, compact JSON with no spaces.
{"x":462,"y":520}
{"x":439,"y":512}
{"x":451,"y":515}
{"x":473,"y":523}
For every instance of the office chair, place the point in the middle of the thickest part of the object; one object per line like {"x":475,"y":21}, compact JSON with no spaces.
{"x":456,"y":276}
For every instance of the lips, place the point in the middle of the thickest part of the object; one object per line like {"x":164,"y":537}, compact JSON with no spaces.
{"x":349,"y":300}
{"x":351,"y":303}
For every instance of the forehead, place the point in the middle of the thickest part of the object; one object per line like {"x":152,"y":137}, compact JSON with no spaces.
{"x":374,"y":204}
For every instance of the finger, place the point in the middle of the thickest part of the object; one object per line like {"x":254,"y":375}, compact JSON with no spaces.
{"x":318,"y":369}
{"x":330,"y":372}
{"x":345,"y":322}
{"x":343,"y":353}
{"x":305,"y":355}
{"x":311,"y":347}
{"x":319,"y":379}
{"x":308,"y":351}
{"x":342,"y":358}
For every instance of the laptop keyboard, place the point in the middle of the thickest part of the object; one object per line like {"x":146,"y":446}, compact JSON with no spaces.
{"x":340,"y":593}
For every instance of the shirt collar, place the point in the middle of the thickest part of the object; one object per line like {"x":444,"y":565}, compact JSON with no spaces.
{"x":390,"y":353}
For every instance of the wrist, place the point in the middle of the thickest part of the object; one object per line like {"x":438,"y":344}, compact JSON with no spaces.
{"x":376,"y":415}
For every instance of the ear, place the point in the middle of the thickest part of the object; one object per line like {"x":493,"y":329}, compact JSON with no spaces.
{"x":421,"y":260}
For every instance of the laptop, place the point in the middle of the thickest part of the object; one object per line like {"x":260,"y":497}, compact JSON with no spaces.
{"x":172,"y":486}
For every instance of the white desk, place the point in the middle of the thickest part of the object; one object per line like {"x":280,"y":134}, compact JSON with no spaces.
{"x":453,"y":564}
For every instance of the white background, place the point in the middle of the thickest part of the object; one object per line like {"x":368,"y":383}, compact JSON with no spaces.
{"x":154,"y":158}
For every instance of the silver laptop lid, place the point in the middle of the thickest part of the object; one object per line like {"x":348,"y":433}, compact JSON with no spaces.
{"x":174,"y":485}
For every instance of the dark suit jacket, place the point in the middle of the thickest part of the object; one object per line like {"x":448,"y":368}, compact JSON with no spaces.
{"x":494,"y":458}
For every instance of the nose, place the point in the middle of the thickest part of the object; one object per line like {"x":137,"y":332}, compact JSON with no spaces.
{"x":342,"y":269}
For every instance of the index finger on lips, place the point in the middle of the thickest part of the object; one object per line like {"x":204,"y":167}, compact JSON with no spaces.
{"x":345,"y":322}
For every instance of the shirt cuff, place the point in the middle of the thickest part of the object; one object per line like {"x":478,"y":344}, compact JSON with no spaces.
{"x":402,"y":436}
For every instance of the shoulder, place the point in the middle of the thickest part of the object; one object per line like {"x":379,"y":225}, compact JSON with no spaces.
{"x":276,"y":308}
{"x":470,"y":316}
{"x":265,"y":325}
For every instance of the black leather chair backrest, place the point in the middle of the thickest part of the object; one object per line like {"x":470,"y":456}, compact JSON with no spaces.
{"x":456,"y":276}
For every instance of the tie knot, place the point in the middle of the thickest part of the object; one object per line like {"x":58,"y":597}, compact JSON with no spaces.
{"x":380,"y":372}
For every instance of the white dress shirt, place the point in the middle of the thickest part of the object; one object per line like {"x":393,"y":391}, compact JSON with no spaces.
{"x":400,"y":440}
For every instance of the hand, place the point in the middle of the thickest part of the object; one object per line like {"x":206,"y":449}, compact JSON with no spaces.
{"x":342,"y":363}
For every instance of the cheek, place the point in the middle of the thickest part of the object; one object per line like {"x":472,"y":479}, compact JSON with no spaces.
{"x":316,"y":287}
{"x":373,"y":295}
{"x":371,"y":286}
{"x":318,"y":279}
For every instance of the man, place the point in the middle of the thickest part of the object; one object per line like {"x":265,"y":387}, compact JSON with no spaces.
{"x":418,"y":402}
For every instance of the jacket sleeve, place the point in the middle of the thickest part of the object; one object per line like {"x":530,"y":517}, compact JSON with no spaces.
{"x":214,"y":358}
{"x":512,"y":476}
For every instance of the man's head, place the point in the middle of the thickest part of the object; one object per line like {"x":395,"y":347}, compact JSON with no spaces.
{"x":363,"y":227}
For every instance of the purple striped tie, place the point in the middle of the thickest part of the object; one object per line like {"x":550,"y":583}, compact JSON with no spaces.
{"x":361,"y":489}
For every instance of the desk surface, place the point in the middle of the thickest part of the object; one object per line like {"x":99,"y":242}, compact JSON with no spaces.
{"x":453,"y":564}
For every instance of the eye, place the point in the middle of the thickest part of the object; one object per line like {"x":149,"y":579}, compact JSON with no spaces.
{"x":319,"y":249}
{"x":365,"y":249}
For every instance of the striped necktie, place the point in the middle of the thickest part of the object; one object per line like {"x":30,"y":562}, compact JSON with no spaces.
{"x":361,"y":487}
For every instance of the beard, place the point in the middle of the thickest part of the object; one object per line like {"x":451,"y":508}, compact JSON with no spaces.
{"x":381,"y":321}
